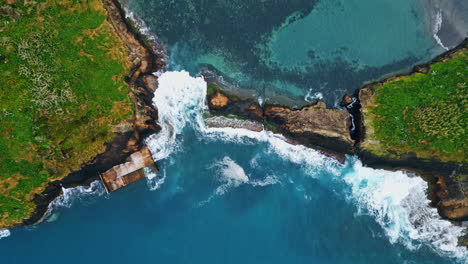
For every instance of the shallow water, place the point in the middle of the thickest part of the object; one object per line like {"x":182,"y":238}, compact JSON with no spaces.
{"x":294,"y":48}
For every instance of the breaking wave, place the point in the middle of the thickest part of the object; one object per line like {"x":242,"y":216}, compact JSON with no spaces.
{"x":179,"y":100}
{"x":399,"y":204}
{"x":437,"y":26}
{"x":312,"y":97}
{"x":4,"y":233}
{"x":230,"y":174}
{"x":397,"y":201}
{"x":70,"y":196}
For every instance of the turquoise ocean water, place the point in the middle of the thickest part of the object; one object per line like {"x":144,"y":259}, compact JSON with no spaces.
{"x":236,"y":196}
{"x":300,"y":49}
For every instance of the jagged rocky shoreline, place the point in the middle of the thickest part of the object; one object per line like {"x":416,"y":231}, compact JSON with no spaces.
{"x":338,"y":132}
{"x":334,"y":132}
{"x":142,"y":85}
{"x":448,"y":194}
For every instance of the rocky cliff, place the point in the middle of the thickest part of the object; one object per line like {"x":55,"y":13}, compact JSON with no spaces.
{"x":448,"y":184}
{"x":314,"y":125}
{"x":129,"y":139}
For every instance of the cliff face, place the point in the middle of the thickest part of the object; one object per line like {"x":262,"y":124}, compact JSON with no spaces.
{"x":141,"y":84}
{"x":313,"y":125}
{"x":329,"y":130}
{"x":448,"y":183}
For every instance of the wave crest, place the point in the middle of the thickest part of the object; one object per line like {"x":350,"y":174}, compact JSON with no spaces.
{"x":399,"y":204}
{"x":4,"y":233}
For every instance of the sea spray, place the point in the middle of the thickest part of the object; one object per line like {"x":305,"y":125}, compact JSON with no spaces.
{"x":436,"y":28}
{"x":70,"y":196}
{"x":179,"y":99}
{"x":230,"y":174}
{"x":399,"y":204}
{"x":4,"y":233}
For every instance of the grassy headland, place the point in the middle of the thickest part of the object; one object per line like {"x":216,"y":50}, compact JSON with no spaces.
{"x":62,"y":89}
{"x":423,"y":113}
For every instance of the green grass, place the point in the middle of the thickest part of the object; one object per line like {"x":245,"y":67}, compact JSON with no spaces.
{"x":212,"y":88}
{"x":425,"y":113}
{"x":61,"y":90}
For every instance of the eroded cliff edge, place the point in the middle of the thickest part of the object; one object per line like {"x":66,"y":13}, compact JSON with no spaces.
{"x":335,"y":132}
{"x":445,"y":169}
{"x":128,"y":137}
{"x":314,"y":125}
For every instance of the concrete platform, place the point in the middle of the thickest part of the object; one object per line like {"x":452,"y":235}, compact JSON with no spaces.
{"x":128,"y":172}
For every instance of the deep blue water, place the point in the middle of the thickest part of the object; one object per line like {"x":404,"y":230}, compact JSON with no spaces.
{"x":299,"y":49}
{"x":236,"y":196}
{"x":300,"y":219}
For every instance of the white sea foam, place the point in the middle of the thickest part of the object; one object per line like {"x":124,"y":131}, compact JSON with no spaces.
{"x":4,"y":233}
{"x":179,"y":99}
{"x":397,"y":201}
{"x":70,"y":195}
{"x":230,"y":174}
{"x":436,"y":28}
{"x":311,"y":160}
{"x":269,"y":180}
{"x":312,"y":97}
{"x":155,"y":180}
{"x":399,"y":204}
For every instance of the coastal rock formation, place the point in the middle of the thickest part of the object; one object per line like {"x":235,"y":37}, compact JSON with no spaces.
{"x":223,"y":103}
{"x":447,"y":179}
{"x":333,"y":130}
{"x":314,"y":125}
{"x":141,"y":85}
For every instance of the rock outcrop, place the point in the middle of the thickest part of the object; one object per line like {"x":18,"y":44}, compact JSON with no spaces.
{"x":448,"y":184}
{"x":142,"y":85}
{"x":314,"y":125}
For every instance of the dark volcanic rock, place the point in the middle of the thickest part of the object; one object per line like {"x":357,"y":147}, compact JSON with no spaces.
{"x":448,"y":184}
{"x":314,"y":125}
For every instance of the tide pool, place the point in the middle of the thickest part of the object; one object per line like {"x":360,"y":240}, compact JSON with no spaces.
{"x":237,"y":196}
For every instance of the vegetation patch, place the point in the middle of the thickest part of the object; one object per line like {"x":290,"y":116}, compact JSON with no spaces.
{"x":425,"y":114}
{"x":62,"y":89}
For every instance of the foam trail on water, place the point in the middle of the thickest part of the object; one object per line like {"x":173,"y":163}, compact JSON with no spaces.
{"x":70,"y":196}
{"x":4,"y":233}
{"x":230,"y":174}
{"x":437,"y":26}
{"x":397,"y":201}
{"x":399,"y":204}
{"x":155,"y":180}
{"x":179,"y":99}
{"x":312,"y":97}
